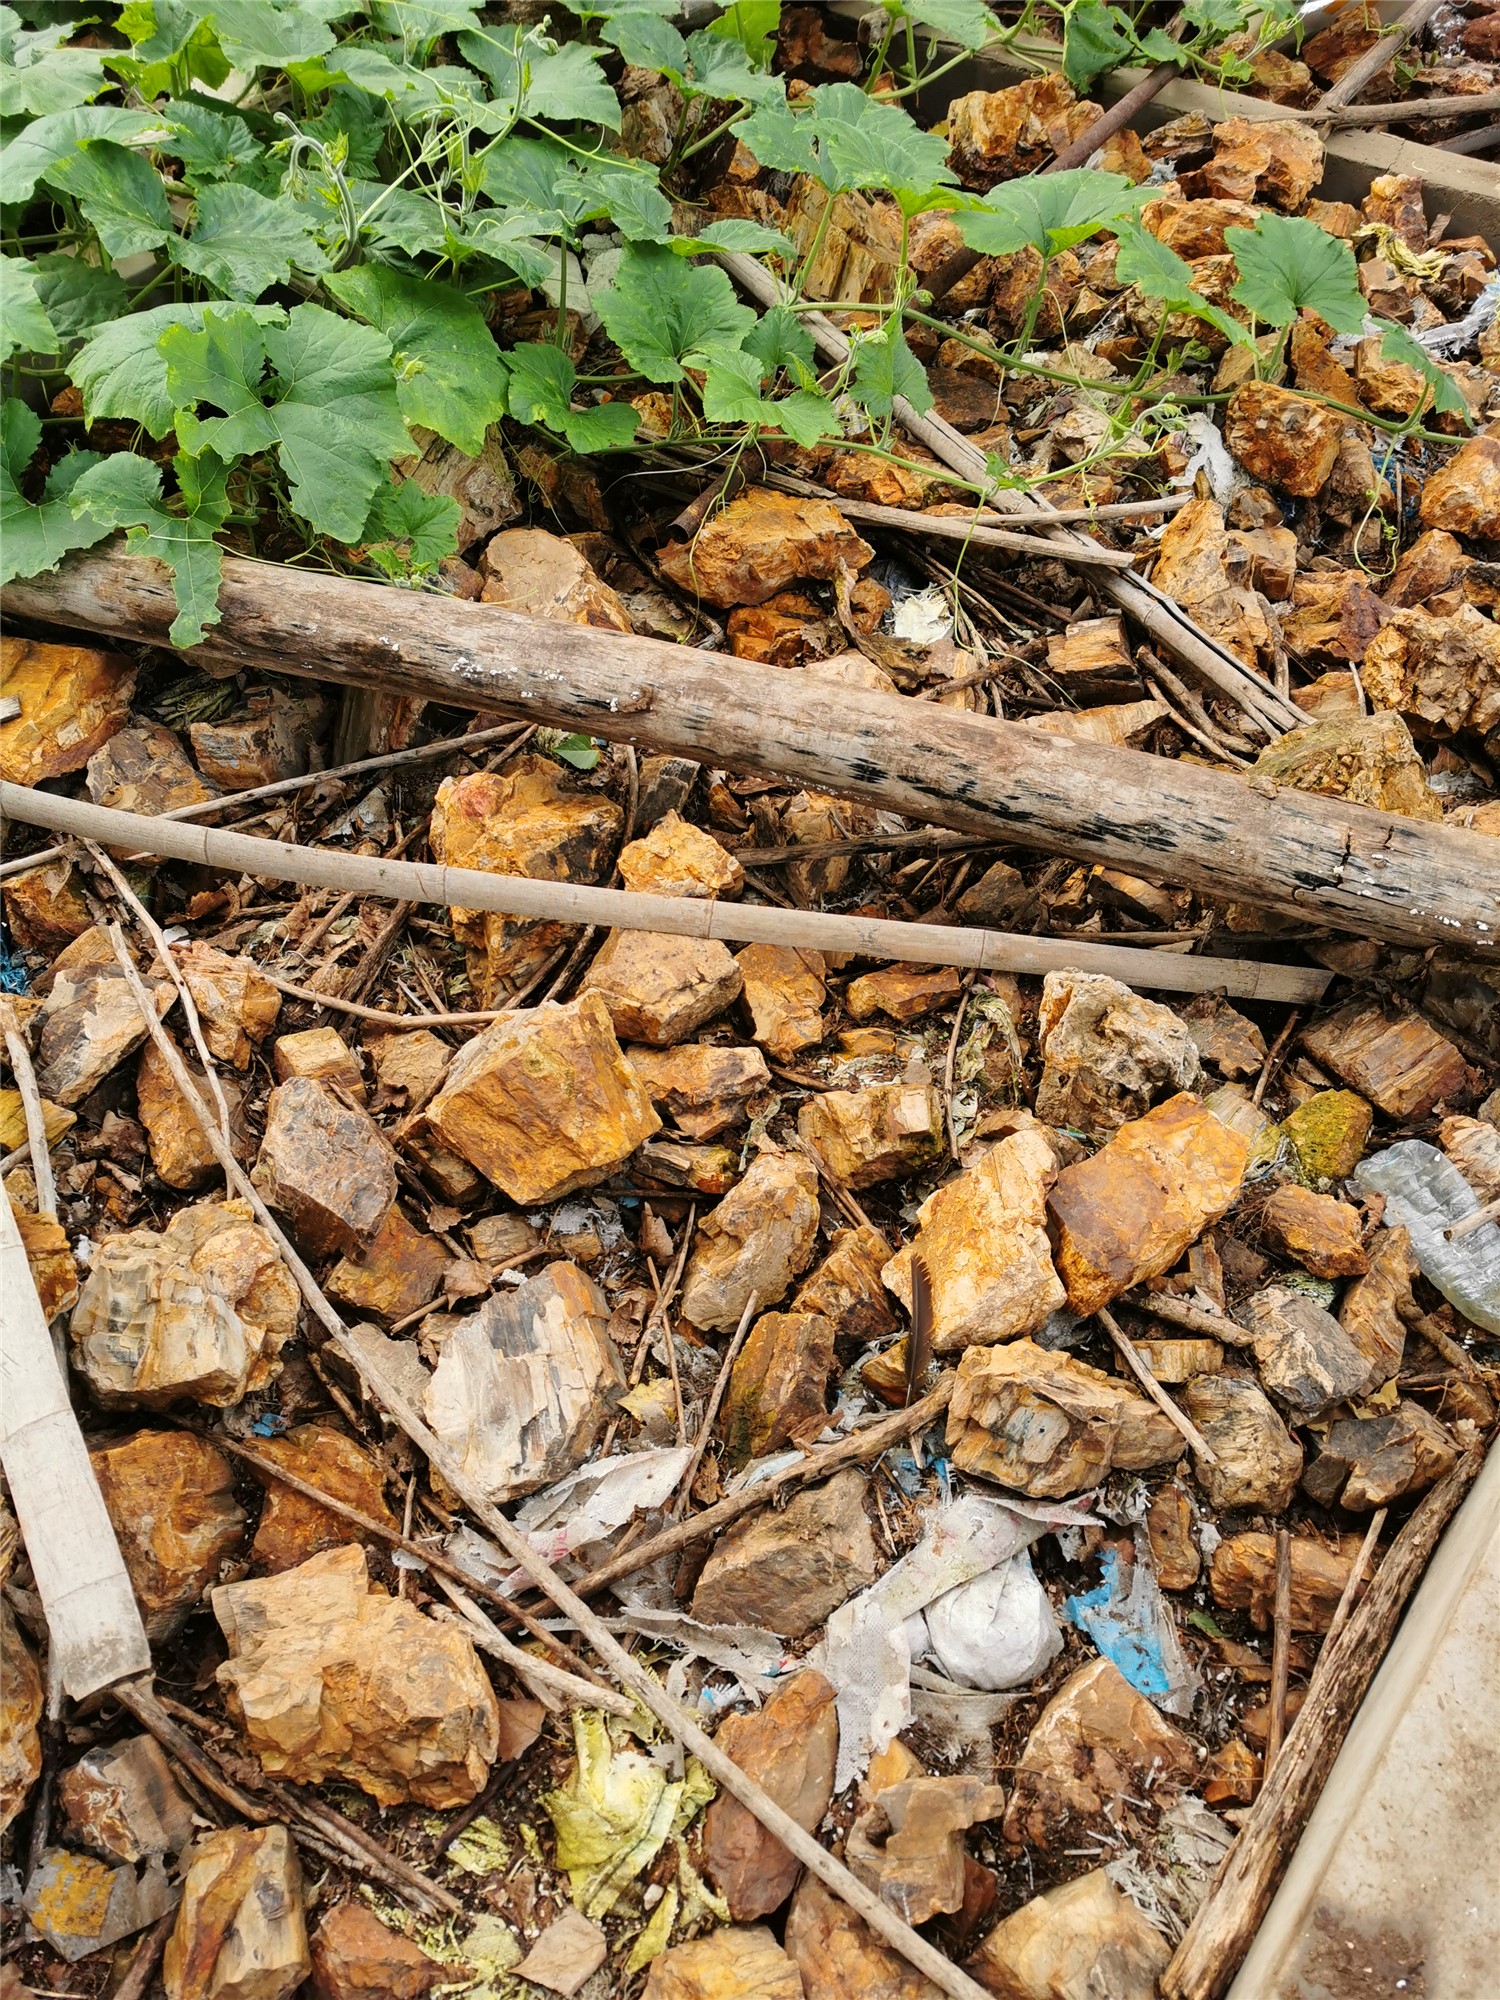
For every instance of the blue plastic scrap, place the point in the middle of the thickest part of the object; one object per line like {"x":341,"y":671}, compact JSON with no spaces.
{"x":1128,"y":1620}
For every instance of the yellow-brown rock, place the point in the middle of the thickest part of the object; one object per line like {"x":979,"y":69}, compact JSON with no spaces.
{"x":677,"y":858}
{"x":785,"y":1571}
{"x":1443,"y":672}
{"x":1281,"y":438}
{"x":659,"y":988}
{"x":1274,"y":160}
{"x":524,"y":1386}
{"x":545,"y":576}
{"x":180,"y":1151}
{"x":784,"y":990}
{"x":1081,"y":1934}
{"x":1473,"y":1145}
{"x":1314,"y":368}
{"x":171,"y":1498}
{"x":998,"y":134}
{"x":73,"y":699}
{"x":331,"y":1678}
{"x":1373,"y":1461}
{"x":1372,"y":1311}
{"x":1130,"y":1211}
{"x":903,"y":992}
{"x":1107,"y":1052}
{"x":1306,"y":1360}
{"x":325,"y":1167}
{"x":291,"y":1526}
{"x":241,"y":1933}
{"x":847,"y":1288}
{"x":907,"y":1842}
{"x":1198,"y":565}
{"x":21,"y":1701}
{"x":269,"y":741}
{"x":44,"y":908}
{"x":789,"y":1748}
{"x":1434,"y":562}
{"x":838,"y":1954}
{"x":236,"y":1004}
{"x":760,"y":543}
{"x":778,"y":1387}
{"x":877,"y":1134}
{"x":1464,"y":495}
{"x":1397,"y":1060}
{"x":757,"y":1240}
{"x":144,"y":769}
{"x":410,"y":1068}
{"x":49,"y":1258}
{"x":544,"y":1102}
{"x":357,"y":1957}
{"x":1195,"y":228}
{"x":1169,"y":1531}
{"x":523,"y":820}
{"x":704,"y":1089}
{"x":1258,"y":1460}
{"x":200,"y":1311}
{"x":983,"y":1238}
{"x":1242,"y":1573}
{"x":123,"y":1801}
{"x":79,"y":1905}
{"x":734,"y":1963}
{"x":1042,"y":1423}
{"x":1370,"y":759}
{"x":89,"y":1022}
{"x":324,"y":1055}
{"x":1322,"y":1234}
{"x":1328,"y":1132}
{"x":399,"y":1269}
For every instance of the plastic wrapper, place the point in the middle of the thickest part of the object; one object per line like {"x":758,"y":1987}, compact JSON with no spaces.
{"x":1427,"y":1194}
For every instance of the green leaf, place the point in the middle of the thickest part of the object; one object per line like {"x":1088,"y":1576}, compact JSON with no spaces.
{"x":724,"y":69}
{"x":409,"y":532}
{"x":780,"y":138}
{"x":662,"y":308}
{"x":122,"y":373}
{"x":511,"y":240}
{"x":243,"y":242}
{"x":35,"y":539}
{"x":1216,"y":18}
{"x":574,"y":748}
{"x":211,"y":146}
{"x":449,"y":375}
{"x":1288,"y":264}
{"x":421,"y":21}
{"x":269,"y":34}
{"x":76,"y":296}
{"x":752,"y":24}
{"x":24,"y":324}
{"x":38,"y":75}
{"x":403,"y":219}
{"x":1159,"y":47}
{"x":885,"y":368}
{"x":862,"y":144}
{"x":1398,"y":345}
{"x":1051,"y":212}
{"x":1095,"y":39}
{"x":170,"y":42}
{"x":1160,"y":273}
{"x":737,"y":232}
{"x":541,"y":391}
{"x":647,"y":41}
{"x":542,"y":80}
{"x":963,"y":21}
{"x":120,"y":193}
{"x":780,"y":340}
{"x":632,"y":201}
{"x":124,"y":491}
{"x":58,"y":137}
{"x":732,"y":395}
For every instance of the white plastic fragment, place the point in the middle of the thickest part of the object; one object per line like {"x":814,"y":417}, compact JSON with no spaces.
{"x":1427,"y":1194}
{"x":999,"y":1631}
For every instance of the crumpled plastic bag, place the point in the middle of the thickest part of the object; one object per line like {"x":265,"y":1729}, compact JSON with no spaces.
{"x":615,"y":1812}
{"x":1128,"y":1619}
{"x":999,"y":1631}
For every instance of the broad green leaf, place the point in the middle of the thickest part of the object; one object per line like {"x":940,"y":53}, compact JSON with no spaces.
{"x":59,"y":136}
{"x":724,"y":69}
{"x":571,"y":747}
{"x":38,"y":75}
{"x":210,"y":145}
{"x":752,"y":24}
{"x":1161,"y":274}
{"x":409,"y":532}
{"x":171,"y":40}
{"x":24,"y":324}
{"x":421,"y":21}
{"x":511,"y":239}
{"x":544,"y":81}
{"x":1095,"y":38}
{"x":397,"y":218}
{"x":359,"y":123}
{"x":1159,"y":47}
{"x":780,"y":138}
{"x":1398,"y":345}
{"x":1216,"y":18}
{"x":124,"y":491}
{"x":243,"y":242}
{"x":120,"y":193}
{"x":732,"y":395}
{"x":34,"y":539}
{"x":269,"y":34}
{"x":862,"y":144}
{"x":778,"y":340}
{"x":449,"y":375}
{"x":369,"y":71}
{"x":738,"y":232}
{"x":537,"y":175}
{"x":1051,"y":212}
{"x":76,"y":296}
{"x":966,"y":22}
{"x":646,"y":40}
{"x":122,"y":373}
{"x":541,"y":391}
{"x":885,"y":368}
{"x":632,"y":201}
{"x":1287,"y":263}
{"x":662,"y":308}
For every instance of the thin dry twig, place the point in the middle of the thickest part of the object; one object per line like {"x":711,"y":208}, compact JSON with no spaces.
{"x":705,"y":1429}
{"x":1281,"y":1646}
{"x":1125,"y":1347}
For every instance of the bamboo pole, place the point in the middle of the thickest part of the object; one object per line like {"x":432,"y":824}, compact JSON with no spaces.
{"x":623,"y":909}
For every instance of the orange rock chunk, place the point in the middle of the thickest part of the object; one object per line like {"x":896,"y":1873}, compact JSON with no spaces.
{"x":778,"y":1386}
{"x":73,"y":699}
{"x":903,"y":992}
{"x":1321,"y":1233}
{"x":1400,"y":1063}
{"x":789,"y":1749}
{"x":784,"y":991}
{"x":877,"y":1134}
{"x":677,"y":858}
{"x":171,"y":1498}
{"x":1044,"y":1424}
{"x":292,"y":1527}
{"x":399,"y":1269}
{"x":760,"y":543}
{"x":545,"y":576}
{"x":1282,"y":438}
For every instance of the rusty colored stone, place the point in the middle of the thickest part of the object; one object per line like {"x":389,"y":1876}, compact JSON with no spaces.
{"x":1199,"y":565}
{"x":124,"y":1803}
{"x":1085,"y":1933}
{"x":846,"y":1287}
{"x":398,"y":1270}
{"x":1464,"y":495}
{"x":778,"y":1387}
{"x":731,"y":1963}
{"x":1129,"y":1212}
{"x":236,"y":1005}
{"x":903,"y":992}
{"x":1306,"y":1360}
{"x":1473,"y":1145}
{"x":1282,"y":438}
{"x":180,"y":1151}
{"x":357,"y":1957}
{"x":1371,"y":1311}
{"x":1370,"y":759}
{"x":983,"y":1238}
{"x":171,"y":1498}
{"x":677,"y":858}
{"x":73,"y":699}
{"x":325,"y":1167}
{"x":1195,"y":228}
{"x":1174,"y":1361}
{"x":22,"y":1697}
{"x":1242,"y":1573}
{"x":1398,"y":1061}
{"x":784,"y":991}
{"x":785,"y":1571}
{"x":241,"y":1933}
{"x":292,"y":1527}
{"x":907,"y":1843}
{"x":79,"y":1905}
{"x":1273,"y":160}
{"x":838,"y":1955}
{"x":410,"y":1068}
{"x":881,"y":1133}
{"x":89,"y":1022}
{"x":331,"y":1678}
{"x":1095,"y":1739}
{"x":1106,"y":1052}
{"x":789,"y":1749}
{"x":50,"y":1259}
{"x":1169,"y":1530}
{"x":1322,"y":1234}
{"x":758,"y":544}
{"x":543,"y":1102}
{"x":271,"y":741}
{"x":1042,"y":1423}
{"x":545,"y":576}
{"x":757,"y":1240}
{"x":1370,"y":1462}
{"x":324,"y":1055}
{"x":659,"y":988}
{"x":997,"y":134}
{"x":144,"y":769}
{"x":1259,"y":1461}
{"x":1442,"y":671}
{"x":44,"y":908}
{"x":704,"y":1089}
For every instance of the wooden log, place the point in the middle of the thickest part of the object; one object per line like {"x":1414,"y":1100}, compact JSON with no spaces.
{"x":1319,"y":859}
{"x":624,"y":909}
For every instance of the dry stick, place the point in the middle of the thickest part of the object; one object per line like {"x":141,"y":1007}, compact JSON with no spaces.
{"x":1273,"y":1056}
{"x":1152,"y":609}
{"x":1281,"y":1647}
{"x":1490,"y":1212}
{"x":382,"y":1015}
{"x":31,"y":1107}
{"x":1350,"y":1591}
{"x":1126,"y":1349}
{"x":527,"y":1668}
{"x":681,"y":916}
{"x":206,"y":808}
{"x":1230,"y":1914}
{"x":1374,"y":60}
{"x":147,"y":1956}
{"x":1438,"y":1337}
{"x":705,"y":1429}
{"x":1193,"y":1319}
{"x":816,"y":1858}
{"x":953,"y":527}
{"x":140,"y":1699}
{"x":841,"y":1196}
{"x":1404,"y":111}
{"x":363,"y":1852}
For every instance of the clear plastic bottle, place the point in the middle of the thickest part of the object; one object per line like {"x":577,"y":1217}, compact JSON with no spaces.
{"x":1427,"y":1194}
